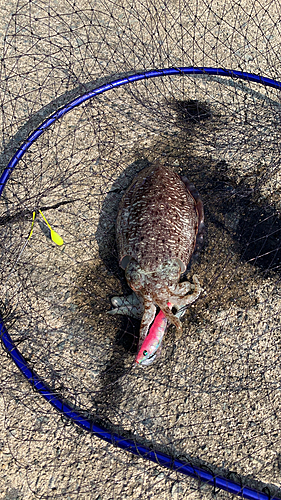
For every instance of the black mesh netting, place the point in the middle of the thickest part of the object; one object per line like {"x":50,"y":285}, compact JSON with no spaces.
{"x":213,"y":398}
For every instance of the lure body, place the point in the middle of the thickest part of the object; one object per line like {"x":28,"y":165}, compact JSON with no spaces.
{"x":152,"y":341}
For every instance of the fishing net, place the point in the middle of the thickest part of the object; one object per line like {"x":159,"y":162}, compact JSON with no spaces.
{"x":211,"y":402}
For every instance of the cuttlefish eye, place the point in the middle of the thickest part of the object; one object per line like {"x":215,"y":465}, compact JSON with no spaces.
{"x":144,"y":353}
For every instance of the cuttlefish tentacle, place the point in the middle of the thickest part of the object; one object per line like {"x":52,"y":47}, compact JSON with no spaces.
{"x":180,"y":298}
{"x":168,"y":313}
{"x":147,"y":319}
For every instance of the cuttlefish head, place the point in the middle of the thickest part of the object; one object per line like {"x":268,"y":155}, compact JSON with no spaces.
{"x":155,"y":286}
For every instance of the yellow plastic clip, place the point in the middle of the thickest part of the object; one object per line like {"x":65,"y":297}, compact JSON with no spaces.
{"x":32,"y":225}
{"x":57,"y":239}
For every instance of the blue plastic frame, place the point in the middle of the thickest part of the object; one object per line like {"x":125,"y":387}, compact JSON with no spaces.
{"x":38,"y":384}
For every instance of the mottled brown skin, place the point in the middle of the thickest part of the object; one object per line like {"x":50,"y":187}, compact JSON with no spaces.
{"x":157,"y":227}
